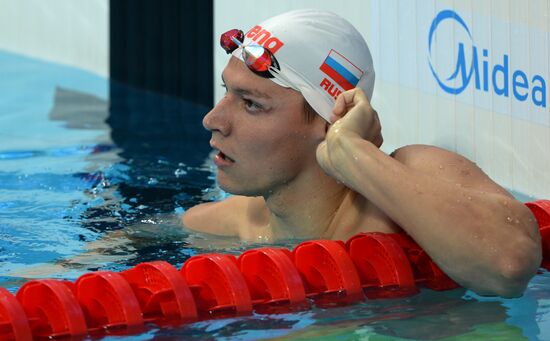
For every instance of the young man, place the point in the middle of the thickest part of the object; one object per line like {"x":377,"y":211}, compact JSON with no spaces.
{"x":301,"y":175}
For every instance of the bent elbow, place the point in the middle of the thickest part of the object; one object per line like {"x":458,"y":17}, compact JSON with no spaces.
{"x":517,"y":268}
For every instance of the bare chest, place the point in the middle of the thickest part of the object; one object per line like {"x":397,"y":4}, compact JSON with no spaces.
{"x":359,"y":217}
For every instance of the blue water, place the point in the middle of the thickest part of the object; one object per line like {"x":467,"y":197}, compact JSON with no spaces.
{"x":93,"y":175}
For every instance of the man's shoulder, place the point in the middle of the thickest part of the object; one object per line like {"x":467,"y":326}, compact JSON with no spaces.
{"x":416,"y":153}
{"x":430,"y":158}
{"x":448,"y":165}
{"x":227,"y":217}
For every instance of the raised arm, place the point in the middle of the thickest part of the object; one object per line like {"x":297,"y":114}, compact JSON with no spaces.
{"x":472,"y":228}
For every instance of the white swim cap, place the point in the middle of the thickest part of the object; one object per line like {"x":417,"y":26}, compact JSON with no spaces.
{"x":321,"y":53}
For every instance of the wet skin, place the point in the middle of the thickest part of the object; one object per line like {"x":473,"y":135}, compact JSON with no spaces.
{"x":298,"y":179}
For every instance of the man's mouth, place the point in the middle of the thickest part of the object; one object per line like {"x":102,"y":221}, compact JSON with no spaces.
{"x":220,"y":159}
{"x":224,"y":157}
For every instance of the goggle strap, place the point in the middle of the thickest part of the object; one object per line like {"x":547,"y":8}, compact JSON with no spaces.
{"x":236,"y":41}
{"x":278,"y":75}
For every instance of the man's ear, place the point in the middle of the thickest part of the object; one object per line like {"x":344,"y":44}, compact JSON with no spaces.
{"x":325,"y":125}
{"x":321,"y":128}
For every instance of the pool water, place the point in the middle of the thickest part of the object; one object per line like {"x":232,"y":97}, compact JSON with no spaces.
{"x":93,"y":176}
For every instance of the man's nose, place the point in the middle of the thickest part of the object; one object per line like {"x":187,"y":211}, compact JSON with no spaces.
{"x":217,"y":119}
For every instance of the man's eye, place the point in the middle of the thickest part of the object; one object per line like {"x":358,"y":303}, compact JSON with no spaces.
{"x":251,"y":105}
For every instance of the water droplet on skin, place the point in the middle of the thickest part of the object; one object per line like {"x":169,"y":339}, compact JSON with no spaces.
{"x":509,"y":266}
{"x":509,"y":219}
{"x":355,"y":158}
{"x":469,"y":198}
{"x":517,"y":221}
{"x":440,"y":166}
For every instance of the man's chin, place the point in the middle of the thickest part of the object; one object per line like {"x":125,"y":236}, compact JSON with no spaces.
{"x":236,"y":189}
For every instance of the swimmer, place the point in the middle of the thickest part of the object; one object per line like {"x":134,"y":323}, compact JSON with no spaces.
{"x":297,"y":144}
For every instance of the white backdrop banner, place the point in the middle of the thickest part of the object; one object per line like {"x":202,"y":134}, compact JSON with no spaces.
{"x":469,"y":76}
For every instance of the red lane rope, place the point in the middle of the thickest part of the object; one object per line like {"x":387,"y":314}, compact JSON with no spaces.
{"x":328,"y":272}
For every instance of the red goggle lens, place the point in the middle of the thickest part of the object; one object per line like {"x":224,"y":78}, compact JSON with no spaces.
{"x":258,"y":59}
{"x":227,"y":42}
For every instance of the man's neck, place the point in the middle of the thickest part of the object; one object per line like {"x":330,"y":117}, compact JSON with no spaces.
{"x":305,"y":207}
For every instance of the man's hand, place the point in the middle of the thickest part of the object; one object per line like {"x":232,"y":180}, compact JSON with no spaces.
{"x":470,"y":226}
{"x":352,"y":112}
{"x":352,"y":116}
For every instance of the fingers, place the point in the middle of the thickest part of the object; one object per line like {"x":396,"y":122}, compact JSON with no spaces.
{"x":347,"y":100}
{"x":322,"y":155}
{"x":324,"y":160}
{"x":353,"y":113}
{"x":376,"y":130}
{"x":378,"y":140}
{"x":339,"y":109}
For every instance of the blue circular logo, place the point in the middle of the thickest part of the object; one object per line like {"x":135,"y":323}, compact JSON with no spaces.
{"x":460,"y":68}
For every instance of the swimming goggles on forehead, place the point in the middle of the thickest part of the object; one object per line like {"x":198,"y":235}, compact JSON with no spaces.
{"x":256,"y":57}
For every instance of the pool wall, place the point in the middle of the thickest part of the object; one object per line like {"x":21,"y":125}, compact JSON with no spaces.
{"x":74,"y":33}
{"x":493,"y":109}
{"x":494,"y":112}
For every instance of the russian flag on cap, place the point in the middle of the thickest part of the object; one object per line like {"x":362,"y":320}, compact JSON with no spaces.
{"x":341,"y":70}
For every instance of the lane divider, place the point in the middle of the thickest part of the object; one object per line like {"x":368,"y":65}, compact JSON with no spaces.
{"x":541,"y":211}
{"x":264,"y":280}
